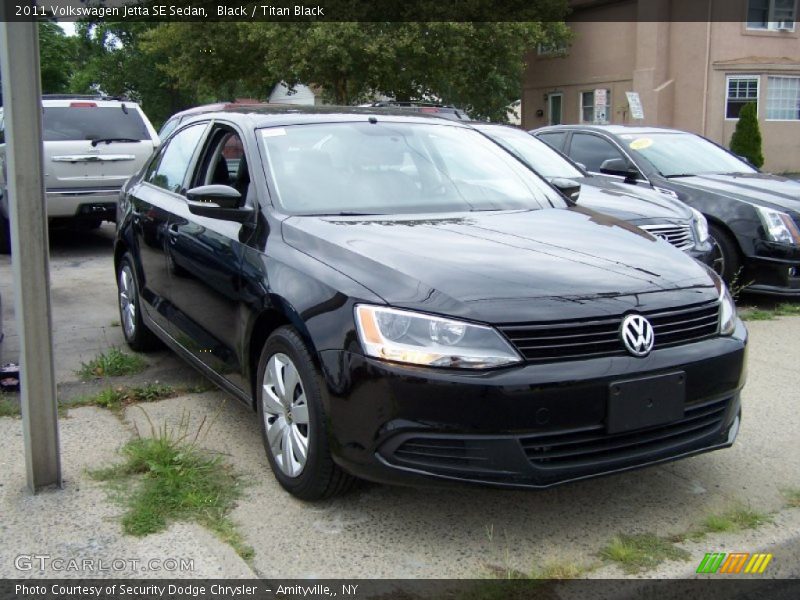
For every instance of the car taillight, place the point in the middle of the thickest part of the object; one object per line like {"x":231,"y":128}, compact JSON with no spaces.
{"x":83,"y":105}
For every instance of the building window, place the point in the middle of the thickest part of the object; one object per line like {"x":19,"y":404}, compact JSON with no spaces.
{"x":783,"y":98}
{"x":771,"y":14}
{"x":588,"y":107}
{"x":741,"y":90}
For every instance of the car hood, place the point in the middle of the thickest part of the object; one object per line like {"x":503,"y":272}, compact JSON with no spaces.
{"x":629,"y":202}
{"x":762,"y":189}
{"x":488,"y":266}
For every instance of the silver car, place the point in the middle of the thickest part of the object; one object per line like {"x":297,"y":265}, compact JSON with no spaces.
{"x":92,"y":145}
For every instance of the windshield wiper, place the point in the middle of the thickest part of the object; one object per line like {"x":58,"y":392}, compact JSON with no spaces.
{"x":677,"y":175}
{"x":346,"y":214}
{"x":111,"y":140}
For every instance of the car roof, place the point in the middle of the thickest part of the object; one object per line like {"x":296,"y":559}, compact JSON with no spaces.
{"x":270,"y":115}
{"x":610,"y":129}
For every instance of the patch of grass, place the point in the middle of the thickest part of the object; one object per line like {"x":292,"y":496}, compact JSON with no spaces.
{"x":634,"y":553}
{"x":550,"y":570}
{"x":9,"y":407}
{"x":792,"y":496}
{"x":784,"y":309}
{"x":115,"y":324}
{"x":111,"y":364}
{"x":735,"y":519}
{"x":168,"y":478}
{"x":117,"y":398}
{"x":199,"y":387}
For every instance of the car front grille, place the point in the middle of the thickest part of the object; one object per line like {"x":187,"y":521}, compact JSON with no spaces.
{"x":596,"y":337}
{"x":591,"y":445}
{"x":679,"y":236}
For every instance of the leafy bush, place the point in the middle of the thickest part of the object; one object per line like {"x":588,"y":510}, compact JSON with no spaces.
{"x":746,"y":140}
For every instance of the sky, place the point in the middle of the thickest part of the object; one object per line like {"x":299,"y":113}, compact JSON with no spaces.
{"x":68,"y":27}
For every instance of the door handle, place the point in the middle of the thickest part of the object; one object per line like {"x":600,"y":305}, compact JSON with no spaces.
{"x":172,"y":233}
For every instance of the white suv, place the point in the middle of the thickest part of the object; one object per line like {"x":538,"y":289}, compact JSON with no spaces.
{"x":92,"y":145}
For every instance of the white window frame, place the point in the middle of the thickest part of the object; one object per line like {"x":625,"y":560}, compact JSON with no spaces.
{"x":550,"y":107}
{"x":580,"y":107}
{"x":766,"y":105}
{"x":557,"y":49}
{"x":728,"y":89}
{"x":772,"y":24}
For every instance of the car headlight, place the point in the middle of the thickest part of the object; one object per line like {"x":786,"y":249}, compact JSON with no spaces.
{"x":779,"y":226}
{"x":410,"y":337}
{"x":727,"y":311}
{"x":700,"y":224}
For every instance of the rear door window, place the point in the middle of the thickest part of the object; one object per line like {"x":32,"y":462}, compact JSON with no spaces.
{"x":592,"y":151}
{"x":70,"y":123}
{"x":169,"y":171}
{"x":554,"y":140}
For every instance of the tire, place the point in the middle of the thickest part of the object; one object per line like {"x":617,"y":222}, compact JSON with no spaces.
{"x":136,"y":333}
{"x":5,"y":236}
{"x":727,"y":261}
{"x":288,"y":431}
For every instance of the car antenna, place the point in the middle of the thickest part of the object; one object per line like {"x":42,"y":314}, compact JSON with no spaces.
{"x":373,"y":120}
{"x":124,"y":108}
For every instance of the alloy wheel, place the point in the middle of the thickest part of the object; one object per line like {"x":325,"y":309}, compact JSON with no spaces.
{"x":127,"y":301}
{"x":717,"y":257}
{"x":286,"y":417}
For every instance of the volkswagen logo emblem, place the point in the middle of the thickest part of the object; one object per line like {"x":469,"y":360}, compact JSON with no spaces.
{"x":637,"y":335}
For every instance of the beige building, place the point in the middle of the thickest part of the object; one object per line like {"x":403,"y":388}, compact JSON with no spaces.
{"x":694,"y":64}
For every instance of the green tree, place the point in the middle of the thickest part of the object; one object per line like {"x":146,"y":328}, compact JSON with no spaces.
{"x":57,"y":56}
{"x":477,"y":66}
{"x":746,"y":140}
{"x":111,"y":60}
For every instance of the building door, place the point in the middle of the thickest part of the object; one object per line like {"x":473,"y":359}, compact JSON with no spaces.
{"x":554,"y":106}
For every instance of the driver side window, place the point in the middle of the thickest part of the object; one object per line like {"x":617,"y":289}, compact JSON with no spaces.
{"x":224,"y":162}
{"x":592,"y":151}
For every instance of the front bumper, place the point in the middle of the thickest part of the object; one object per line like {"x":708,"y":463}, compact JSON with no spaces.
{"x":531,"y":426}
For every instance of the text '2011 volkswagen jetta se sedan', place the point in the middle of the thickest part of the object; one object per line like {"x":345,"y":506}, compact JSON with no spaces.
{"x":402,"y":300}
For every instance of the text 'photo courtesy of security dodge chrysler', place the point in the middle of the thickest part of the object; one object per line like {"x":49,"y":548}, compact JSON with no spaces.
{"x":399,"y":299}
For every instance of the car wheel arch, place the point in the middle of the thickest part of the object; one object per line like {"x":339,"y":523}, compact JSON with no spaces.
{"x":267,"y":321}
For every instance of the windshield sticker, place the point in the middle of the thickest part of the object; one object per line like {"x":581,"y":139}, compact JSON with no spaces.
{"x":273,"y":132}
{"x":641,"y":143}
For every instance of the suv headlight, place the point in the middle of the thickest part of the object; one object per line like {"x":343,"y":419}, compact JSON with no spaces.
{"x":700,"y":226}
{"x":410,"y":337}
{"x":727,"y":311}
{"x":779,"y":226}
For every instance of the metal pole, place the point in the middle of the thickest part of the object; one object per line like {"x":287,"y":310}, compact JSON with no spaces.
{"x":22,"y":114}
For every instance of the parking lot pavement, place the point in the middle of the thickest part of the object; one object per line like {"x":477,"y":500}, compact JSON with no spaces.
{"x":380,"y":531}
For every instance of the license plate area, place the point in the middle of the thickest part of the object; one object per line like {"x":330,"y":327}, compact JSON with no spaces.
{"x":645,"y":402}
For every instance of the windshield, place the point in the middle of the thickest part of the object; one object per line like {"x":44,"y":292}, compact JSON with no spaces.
{"x":389,"y":167}
{"x":69,"y":123}
{"x":682,"y":154}
{"x":535,"y":153}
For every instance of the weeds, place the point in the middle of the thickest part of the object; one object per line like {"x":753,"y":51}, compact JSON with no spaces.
{"x":792,"y":496}
{"x":117,"y":398}
{"x":633,"y":553}
{"x":9,"y":407}
{"x":735,"y":519}
{"x":111,"y":364}
{"x":166,"y":477}
{"x":768,"y":314}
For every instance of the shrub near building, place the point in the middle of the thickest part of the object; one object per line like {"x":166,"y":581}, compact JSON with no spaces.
{"x":746,"y":140}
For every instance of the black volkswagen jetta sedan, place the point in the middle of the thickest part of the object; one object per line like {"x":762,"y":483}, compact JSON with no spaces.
{"x":664,"y":217}
{"x":402,"y":300}
{"x":754,"y":217}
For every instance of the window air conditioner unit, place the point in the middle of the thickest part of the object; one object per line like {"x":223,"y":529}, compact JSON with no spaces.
{"x":785,"y":25}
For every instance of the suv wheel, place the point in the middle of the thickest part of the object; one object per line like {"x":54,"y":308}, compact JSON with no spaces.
{"x":726,"y":262}
{"x":293,"y":422}
{"x":138,"y":336}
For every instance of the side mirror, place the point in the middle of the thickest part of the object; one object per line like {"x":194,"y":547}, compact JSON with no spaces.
{"x":571,"y":189}
{"x":218,"y":202}
{"x":621,"y":168}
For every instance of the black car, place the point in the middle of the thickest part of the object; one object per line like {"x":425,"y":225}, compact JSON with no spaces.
{"x":754,"y":217}
{"x":402,"y":300}
{"x":662,"y":216}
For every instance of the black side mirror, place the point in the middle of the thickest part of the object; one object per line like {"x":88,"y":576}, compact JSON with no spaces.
{"x":218,"y":202}
{"x":621,"y":168}
{"x":571,"y":189}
